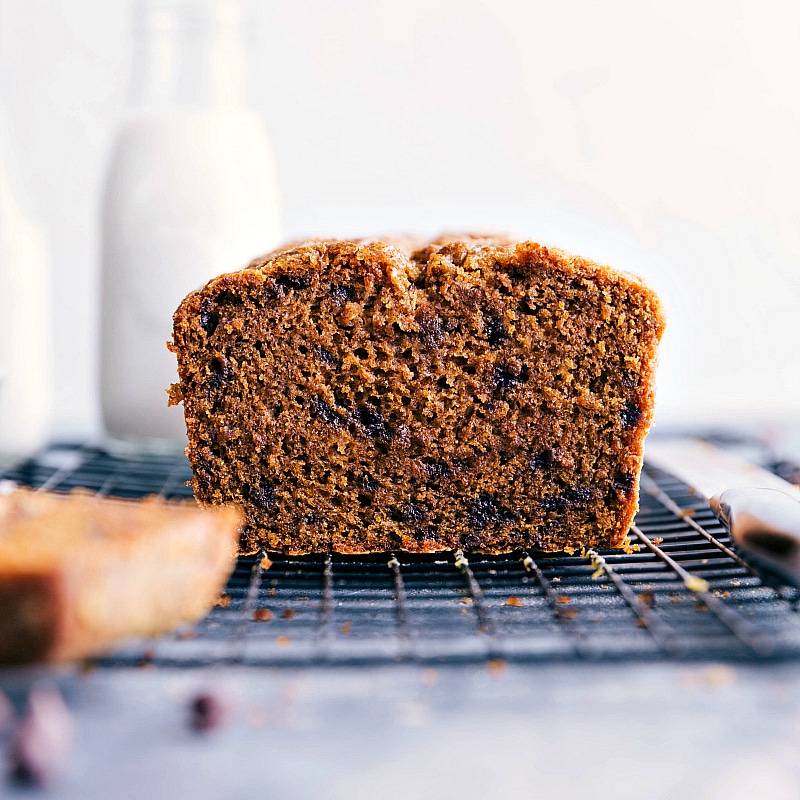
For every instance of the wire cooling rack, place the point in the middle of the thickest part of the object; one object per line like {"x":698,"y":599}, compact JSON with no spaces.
{"x":681,"y":592}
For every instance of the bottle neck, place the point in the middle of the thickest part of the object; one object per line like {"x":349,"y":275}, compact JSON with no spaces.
{"x":187,"y":55}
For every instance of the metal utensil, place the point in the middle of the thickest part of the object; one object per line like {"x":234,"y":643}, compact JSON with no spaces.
{"x":761,"y":510}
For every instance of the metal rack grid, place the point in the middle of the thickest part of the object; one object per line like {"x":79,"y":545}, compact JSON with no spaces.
{"x":681,"y":592}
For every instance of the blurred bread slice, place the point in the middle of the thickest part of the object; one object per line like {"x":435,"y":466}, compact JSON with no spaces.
{"x":80,"y":573}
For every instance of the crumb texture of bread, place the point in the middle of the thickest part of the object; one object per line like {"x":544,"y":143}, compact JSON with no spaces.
{"x":371,"y":396}
{"x":79,"y":573}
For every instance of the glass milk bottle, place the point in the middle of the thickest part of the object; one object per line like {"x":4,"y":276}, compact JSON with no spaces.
{"x":24,"y":321}
{"x":191,"y":192}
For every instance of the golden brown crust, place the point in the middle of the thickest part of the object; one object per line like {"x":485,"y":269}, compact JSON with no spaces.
{"x":363,"y":395}
{"x":79,"y":573}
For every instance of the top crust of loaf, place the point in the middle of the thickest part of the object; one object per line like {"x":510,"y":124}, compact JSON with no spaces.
{"x":395,"y":261}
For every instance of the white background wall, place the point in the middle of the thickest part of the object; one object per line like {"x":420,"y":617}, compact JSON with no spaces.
{"x":658,"y":137}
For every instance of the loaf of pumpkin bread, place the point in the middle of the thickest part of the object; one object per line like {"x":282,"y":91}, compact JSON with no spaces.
{"x":80,"y":573}
{"x":370,"y":396}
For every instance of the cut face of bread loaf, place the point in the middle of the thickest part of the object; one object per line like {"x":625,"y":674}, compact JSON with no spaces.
{"x":79,"y":573}
{"x":356,"y":396}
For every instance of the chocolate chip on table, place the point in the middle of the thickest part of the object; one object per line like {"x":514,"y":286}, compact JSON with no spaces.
{"x":42,"y":744}
{"x":208,"y":711}
{"x":6,"y":713}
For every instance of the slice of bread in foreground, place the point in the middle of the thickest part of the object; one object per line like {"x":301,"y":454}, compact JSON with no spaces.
{"x":469,"y":393}
{"x":79,"y":573}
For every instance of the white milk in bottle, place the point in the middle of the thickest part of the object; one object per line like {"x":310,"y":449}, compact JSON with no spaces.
{"x":191,"y":193}
{"x":24,"y":322}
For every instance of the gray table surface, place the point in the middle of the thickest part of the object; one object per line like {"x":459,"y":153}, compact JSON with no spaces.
{"x":559,"y":731}
{"x":635,"y":730}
